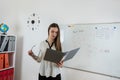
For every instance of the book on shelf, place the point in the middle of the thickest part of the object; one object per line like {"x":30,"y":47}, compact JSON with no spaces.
{"x":1,"y":61}
{"x":6,"y":62}
{"x":4,"y":42}
{"x":11,"y":43}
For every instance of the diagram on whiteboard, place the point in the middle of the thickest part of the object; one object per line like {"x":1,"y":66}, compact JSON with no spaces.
{"x":99,"y":47}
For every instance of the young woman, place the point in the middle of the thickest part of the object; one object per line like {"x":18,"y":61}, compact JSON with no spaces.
{"x":49,"y":70}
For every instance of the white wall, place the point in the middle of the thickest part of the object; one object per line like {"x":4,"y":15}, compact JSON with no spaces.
{"x":8,"y":14}
{"x":63,"y":12}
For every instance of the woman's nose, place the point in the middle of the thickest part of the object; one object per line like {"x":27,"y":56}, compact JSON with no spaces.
{"x":55,"y":34}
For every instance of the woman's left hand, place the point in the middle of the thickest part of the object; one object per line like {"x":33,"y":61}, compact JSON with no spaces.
{"x":60,"y":64}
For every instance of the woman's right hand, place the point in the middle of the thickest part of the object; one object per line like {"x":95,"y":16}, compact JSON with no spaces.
{"x":60,"y":64}
{"x":30,"y":52}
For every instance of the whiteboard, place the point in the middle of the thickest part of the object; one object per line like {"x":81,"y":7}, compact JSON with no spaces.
{"x":99,"y":47}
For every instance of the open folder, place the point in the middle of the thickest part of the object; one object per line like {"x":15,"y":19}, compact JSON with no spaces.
{"x":57,"y":56}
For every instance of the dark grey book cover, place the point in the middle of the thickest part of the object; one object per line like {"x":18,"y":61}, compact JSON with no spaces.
{"x":53,"y":55}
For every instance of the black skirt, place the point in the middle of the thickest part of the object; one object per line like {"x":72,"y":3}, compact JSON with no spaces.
{"x":58,"y":77}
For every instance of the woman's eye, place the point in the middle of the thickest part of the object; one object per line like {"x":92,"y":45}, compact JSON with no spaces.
{"x":56,"y":32}
{"x":52,"y":31}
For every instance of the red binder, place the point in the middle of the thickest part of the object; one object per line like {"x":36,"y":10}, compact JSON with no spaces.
{"x":5,"y":76}
{"x":6,"y":60}
{"x":11,"y":74}
{"x":1,"y":61}
{"x":1,"y":75}
{"x":8,"y":74}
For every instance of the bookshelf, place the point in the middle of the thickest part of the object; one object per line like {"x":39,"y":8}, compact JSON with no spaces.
{"x":7,"y":57}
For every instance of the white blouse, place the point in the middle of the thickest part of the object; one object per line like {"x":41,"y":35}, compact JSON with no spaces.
{"x":47,"y":68}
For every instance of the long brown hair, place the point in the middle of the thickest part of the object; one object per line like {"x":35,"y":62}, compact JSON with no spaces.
{"x":57,"y":39}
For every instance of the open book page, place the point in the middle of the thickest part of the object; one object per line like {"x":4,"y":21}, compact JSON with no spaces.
{"x":70,"y":54}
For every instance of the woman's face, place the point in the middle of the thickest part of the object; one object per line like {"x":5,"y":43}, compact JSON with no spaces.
{"x":53,"y":32}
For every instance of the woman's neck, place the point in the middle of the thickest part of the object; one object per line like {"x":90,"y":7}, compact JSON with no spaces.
{"x":50,"y":41}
